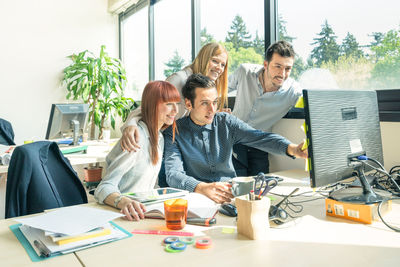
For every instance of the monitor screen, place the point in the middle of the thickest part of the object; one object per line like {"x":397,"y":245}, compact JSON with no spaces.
{"x":66,"y":120}
{"x":341,"y":124}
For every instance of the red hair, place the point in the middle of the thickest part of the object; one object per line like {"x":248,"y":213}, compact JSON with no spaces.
{"x":154,"y":93}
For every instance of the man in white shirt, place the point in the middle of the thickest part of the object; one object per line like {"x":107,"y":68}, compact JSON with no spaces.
{"x":264,"y":95}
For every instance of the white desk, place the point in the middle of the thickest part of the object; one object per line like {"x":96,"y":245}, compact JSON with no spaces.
{"x":96,"y":153}
{"x":3,"y":169}
{"x":13,"y":254}
{"x":313,"y":240}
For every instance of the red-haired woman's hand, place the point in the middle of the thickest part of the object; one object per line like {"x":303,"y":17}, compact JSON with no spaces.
{"x":132,"y":209}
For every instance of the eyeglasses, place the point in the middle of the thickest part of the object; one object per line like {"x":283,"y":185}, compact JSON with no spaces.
{"x":263,"y":184}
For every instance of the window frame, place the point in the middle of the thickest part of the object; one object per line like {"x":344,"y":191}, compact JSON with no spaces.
{"x":388,"y":100}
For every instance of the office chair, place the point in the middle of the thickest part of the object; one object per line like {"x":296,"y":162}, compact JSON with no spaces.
{"x":39,"y":178}
{"x":6,"y":133}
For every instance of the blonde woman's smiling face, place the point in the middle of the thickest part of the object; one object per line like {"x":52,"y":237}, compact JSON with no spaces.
{"x":216,"y":66}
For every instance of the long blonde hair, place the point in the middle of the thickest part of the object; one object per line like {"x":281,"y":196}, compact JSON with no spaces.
{"x":200,"y":65}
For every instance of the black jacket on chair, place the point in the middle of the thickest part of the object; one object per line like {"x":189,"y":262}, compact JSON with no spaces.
{"x":6,"y":131}
{"x":40,"y":177}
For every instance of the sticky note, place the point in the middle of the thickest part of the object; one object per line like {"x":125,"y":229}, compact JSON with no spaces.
{"x":305,"y":145}
{"x":299,"y":103}
{"x":304,"y":127}
{"x":306,"y":167}
{"x":227,"y":230}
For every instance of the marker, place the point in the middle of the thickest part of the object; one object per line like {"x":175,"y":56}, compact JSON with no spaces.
{"x":201,"y":221}
{"x":44,"y":251}
{"x":157,"y":232}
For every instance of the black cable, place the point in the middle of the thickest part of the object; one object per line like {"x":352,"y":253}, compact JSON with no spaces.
{"x":295,"y":206}
{"x":309,"y":200}
{"x":383,"y":170}
{"x":290,"y":205}
{"x":377,"y":163}
{"x":286,"y":205}
{"x":396,"y":229}
{"x":394,"y":169}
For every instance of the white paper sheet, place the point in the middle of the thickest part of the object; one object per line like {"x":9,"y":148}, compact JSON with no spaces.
{"x":72,"y":220}
{"x":33,"y":234}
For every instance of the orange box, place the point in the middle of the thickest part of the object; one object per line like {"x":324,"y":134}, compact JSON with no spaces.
{"x":356,"y":212}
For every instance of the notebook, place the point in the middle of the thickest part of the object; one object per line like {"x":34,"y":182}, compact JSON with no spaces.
{"x":199,"y":206}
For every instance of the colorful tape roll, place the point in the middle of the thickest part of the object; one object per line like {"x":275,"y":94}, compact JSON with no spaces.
{"x":171,"y":239}
{"x":203,"y":243}
{"x":171,"y":250}
{"x":187,"y":240}
{"x":178,"y":245}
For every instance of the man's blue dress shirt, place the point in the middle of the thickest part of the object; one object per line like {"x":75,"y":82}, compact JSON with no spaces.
{"x":204,"y":153}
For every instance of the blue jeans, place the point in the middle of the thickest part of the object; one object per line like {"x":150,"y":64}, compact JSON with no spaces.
{"x":250,"y":161}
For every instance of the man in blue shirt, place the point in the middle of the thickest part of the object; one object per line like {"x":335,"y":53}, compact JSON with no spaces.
{"x":199,"y":158}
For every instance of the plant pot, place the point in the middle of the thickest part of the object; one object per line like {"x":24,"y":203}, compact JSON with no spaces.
{"x":93,"y":174}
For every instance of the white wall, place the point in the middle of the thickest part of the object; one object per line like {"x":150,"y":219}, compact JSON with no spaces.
{"x":290,"y":128}
{"x":36,"y":37}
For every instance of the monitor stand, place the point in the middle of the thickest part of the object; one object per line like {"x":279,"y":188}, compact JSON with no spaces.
{"x":361,"y":195}
{"x":75,"y":130}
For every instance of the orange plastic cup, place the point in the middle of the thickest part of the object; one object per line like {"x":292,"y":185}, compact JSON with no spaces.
{"x":175,"y":213}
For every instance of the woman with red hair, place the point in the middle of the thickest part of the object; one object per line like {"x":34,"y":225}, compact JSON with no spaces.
{"x":211,"y":61}
{"x":138,"y":171}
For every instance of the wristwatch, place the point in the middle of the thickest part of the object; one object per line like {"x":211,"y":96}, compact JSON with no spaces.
{"x":117,"y":200}
{"x":293,"y":157}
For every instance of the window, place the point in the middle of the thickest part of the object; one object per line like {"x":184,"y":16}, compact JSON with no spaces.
{"x":341,"y":46}
{"x":172,"y":37}
{"x":135,"y":48}
{"x":239,"y":25}
{"x":337,"y":45}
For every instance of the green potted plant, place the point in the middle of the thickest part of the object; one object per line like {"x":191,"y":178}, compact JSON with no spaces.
{"x":100,"y":82}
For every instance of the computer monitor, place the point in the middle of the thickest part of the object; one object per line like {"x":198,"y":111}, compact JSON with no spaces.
{"x":342,"y":125}
{"x":67,"y":120}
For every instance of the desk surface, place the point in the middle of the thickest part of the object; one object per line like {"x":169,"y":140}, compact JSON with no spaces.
{"x":13,"y":254}
{"x":312,"y":240}
{"x":3,"y":169}
{"x":96,"y":153}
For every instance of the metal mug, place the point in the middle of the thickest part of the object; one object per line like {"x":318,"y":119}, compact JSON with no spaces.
{"x":242,"y":186}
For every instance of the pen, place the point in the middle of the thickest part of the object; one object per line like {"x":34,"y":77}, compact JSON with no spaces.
{"x":201,"y":221}
{"x":9,"y":150}
{"x":44,"y":251}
